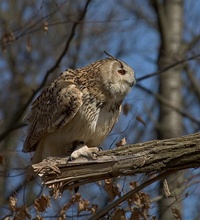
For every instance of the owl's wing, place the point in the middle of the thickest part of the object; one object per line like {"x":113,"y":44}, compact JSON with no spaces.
{"x":54,"y":108}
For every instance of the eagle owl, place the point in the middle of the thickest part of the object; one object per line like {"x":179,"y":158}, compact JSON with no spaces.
{"x":80,"y":106}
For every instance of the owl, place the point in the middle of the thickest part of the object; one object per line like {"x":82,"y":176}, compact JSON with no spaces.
{"x":78,"y":110}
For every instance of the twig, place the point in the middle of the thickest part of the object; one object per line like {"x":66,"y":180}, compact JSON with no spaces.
{"x":57,"y":63}
{"x":128,"y":195}
{"x":167,"y":103}
{"x":168,"y":67}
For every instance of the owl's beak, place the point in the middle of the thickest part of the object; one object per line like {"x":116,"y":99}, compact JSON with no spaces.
{"x":133,"y":83}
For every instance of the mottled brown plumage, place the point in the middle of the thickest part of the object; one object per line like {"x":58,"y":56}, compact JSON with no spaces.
{"x":80,"y":105}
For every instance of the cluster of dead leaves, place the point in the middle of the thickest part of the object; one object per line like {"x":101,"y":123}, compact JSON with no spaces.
{"x":43,"y":202}
{"x":83,"y":205}
{"x":112,"y":189}
{"x":6,"y":39}
{"x":22,"y":212}
{"x":139,"y":204}
{"x":10,"y":37}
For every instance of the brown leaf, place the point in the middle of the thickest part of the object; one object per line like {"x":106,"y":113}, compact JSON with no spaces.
{"x":94,"y":208}
{"x":142,"y":202}
{"x":166,"y":188}
{"x":135,"y":215}
{"x":118,"y":214}
{"x":2,"y":160}
{"x":133,"y":185}
{"x":38,"y":217}
{"x":42,"y":203}
{"x":122,"y":142}
{"x":74,"y":199}
{"x":176,"y":213}
{"x":139,"y":118}
{"x":45,"y":27}
{"x":111,"y":189}
{"x":22,"y":213}
{"x":83,"y":205}
{"x":126,"y":108}
{"x":12,"y":203}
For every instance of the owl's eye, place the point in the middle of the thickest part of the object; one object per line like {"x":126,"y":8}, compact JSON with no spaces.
{"x":121,"y":71}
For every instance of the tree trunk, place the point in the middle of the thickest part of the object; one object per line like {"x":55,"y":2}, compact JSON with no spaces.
{"x":170,"y":16}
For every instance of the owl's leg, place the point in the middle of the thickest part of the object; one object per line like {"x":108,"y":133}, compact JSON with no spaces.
{"x":82,"y":150}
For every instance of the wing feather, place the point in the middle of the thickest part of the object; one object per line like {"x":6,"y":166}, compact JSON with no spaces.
{"x":53,"y":109}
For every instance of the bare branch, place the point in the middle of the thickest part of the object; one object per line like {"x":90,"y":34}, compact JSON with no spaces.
{"x":153,"y":156}
{"x":168,"y":67}
{"x":128,"y":195}
{"x":21,"y":111}
{"x":167,"y":103}
{"x":193,"y":81}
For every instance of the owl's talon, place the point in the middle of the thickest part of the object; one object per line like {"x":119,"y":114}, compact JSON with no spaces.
{"x":71,"y":158}
{"x":81,"y":150}
{"x":100,"y":148}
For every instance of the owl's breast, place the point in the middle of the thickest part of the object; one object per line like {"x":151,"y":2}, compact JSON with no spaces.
{"x":91,"y":124}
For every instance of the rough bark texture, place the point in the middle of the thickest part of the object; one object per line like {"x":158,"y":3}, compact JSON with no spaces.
{"x":170,"y":15}
{"x":153,"y":156}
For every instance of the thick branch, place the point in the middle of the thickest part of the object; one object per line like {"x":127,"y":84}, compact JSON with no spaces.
{"x":153,"y":156}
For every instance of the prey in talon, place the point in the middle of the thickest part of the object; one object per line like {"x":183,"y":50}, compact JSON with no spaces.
{"x":80,"y":104}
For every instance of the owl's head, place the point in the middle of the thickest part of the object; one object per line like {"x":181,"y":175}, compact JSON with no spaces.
{"x":117,"y":77}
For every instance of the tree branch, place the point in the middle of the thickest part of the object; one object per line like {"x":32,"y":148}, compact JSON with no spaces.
{"x":128,"y":195}
{"x":161,"y":71}
{"x":153,"y":156}
{"x":21,"y":111}
{"x":164,"y":101}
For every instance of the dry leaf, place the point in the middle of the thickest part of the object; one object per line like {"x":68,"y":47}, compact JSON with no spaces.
{"x":139,"y":118}
{"x":42,"y":203}
{"x":142,"y":202}
{"x":38,"y":217}
{"x":12,"y":203}
{"x":74,"y":199}
{"x":7,"y":38}
{"x":135,"y":215}
{"x":133,"y":185}
{"x":166,"y":188}
{"x":45,"y":27}
{"x":22,"y":213}
{"x":176,"y":213}
{"x":118,"y":214}
{"x":122,"y":142}
{"x":111,"y":189}
{"x":126,"y":108}
{"x":83,"y":205}
{"x":93,"y":209}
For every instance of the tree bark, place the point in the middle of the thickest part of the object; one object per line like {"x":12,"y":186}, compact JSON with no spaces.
{"x":153,"y":156}
{"x":170,"y":16}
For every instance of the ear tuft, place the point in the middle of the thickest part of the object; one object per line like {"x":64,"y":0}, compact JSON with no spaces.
{"x":109,"y":55}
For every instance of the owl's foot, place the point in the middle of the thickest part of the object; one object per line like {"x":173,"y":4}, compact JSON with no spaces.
{"x":82,"y":150}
